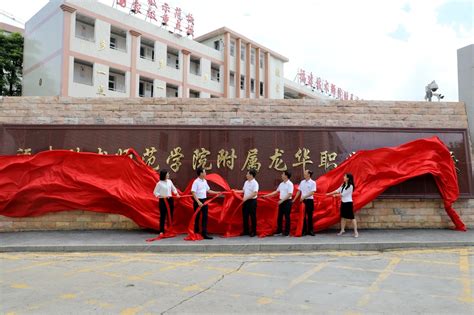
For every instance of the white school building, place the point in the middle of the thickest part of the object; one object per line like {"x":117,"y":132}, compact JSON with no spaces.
{"x":88,"y":49}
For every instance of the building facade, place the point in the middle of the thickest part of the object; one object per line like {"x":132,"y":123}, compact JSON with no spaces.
{"x":86,"y":48}
{"x":466,"y":83}
{"x":9,"y":24}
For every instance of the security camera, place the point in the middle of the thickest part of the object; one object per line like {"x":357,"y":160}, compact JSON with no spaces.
{"x":430,"y":89}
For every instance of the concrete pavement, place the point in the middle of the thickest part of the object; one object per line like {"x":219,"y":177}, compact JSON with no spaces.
{"x":408,"y":281}
{"x":134,"y":241}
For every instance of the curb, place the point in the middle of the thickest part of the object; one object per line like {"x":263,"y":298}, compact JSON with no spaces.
{"x":232,"y":248}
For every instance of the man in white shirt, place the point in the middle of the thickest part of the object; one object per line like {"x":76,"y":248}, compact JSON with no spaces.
{"x":199,"y":190}
{"x":249,"y":207}
{"x":284,"y":204}
{"x":305,"y":192}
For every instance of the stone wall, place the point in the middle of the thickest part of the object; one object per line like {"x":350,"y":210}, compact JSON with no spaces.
{"x":176,"y":111}
{"x":381,"y":213}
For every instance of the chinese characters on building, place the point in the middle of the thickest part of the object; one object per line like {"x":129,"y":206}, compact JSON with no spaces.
{"x":323,"y":86}
{"x":161,"y":13}
{"x":224,"y":158}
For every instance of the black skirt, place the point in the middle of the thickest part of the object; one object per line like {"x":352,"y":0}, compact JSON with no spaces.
{"x":347,"y":210}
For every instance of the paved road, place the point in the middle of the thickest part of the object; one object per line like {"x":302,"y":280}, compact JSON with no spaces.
{"x":435,"y":281}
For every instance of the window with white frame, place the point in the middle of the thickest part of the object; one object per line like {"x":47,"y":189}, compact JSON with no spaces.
{"x":232,"y":48}
{"x":118,"y":39}
{"x":242,"y":82}
{"x":232,"y":78}
{"x":218,"y":45}
{"x":147,"y":49}
{"x":145,"y":87}
{"x":252,"y":85}
{"x":172,"y":57}
{"x":171,"y":90}
{"x":215,"y":72}
{"x":85,"y":27}
{"x":194,"y":94}
{"x":116,"y":80}
{"x":195,"y":65}
{"x":242,"y":52}
{"x":261,"y":60}
{"x":83,"y":72}
{"x":252,"y":56}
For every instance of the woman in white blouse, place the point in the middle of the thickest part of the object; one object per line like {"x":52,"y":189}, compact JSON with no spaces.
{"x":163,"y":190}
{"x":347,"y":209}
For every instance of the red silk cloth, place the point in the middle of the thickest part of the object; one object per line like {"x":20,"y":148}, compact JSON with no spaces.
{"x":50,"y":181}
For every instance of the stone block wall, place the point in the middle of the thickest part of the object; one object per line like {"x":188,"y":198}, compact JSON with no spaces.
{"x":381,"y":213}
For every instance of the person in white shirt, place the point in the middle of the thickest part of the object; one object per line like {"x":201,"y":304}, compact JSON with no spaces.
{"x":199,"y":190}
{"x":305,"y":192}
{"x":164,"y":190}
{"x":249,"y":207}
{"x":347,"y":208}
{"x":285,"y":189}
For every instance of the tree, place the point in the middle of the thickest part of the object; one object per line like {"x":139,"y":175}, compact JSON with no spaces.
{"x":11,"y":63}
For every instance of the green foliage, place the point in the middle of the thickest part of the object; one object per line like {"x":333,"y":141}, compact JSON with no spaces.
{"x":11,"y":63}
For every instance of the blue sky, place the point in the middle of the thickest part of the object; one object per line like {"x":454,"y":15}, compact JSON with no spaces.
{"x":457,"y":14}
{"x":386,"y":50}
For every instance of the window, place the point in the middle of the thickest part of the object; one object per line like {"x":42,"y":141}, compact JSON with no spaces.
{"x":116,"y":81}
{"x":242,"y":82}
{"x":252,"y":85}
{"x":261,"y":60}
{"x":195,"y":65}
{"x":118,"y":39}
{"x":83,"y":72}
{"x":171,"y":90}
{"x":232,"y":78}
{"x":147,"y":50}
{"x":217,"y":44}
{"x":232,"y":48}
{"x":113,"y":43}
{"x":194,"y":94}
{"x":242,"y":52}
{"x":252,"y":56}
{"x":145,"y":87}
{"x":215,"y":72}
{"x":172,"y":58}
{"x":214,"y":96}
{"x":261,"y":88}
{"x":85,"y":27}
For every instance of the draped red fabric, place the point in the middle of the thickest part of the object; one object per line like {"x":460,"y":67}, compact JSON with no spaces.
{"x":63,"y":180}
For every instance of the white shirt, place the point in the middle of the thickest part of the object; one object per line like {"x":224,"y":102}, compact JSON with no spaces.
{"x":285,"y":188}
{"x":346,"y":195}
{"x":163,"y":188}
{"x":200,"y":188}
{"x":306,"y":187}
{"x":249,"y":188}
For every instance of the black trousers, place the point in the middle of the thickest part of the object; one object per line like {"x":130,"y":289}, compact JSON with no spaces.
{"x":308,"y":216}
{"x":164,"y":212}
{"x":204,"y":217}
{"x":284,"y":209}
{"x":249,"y":209}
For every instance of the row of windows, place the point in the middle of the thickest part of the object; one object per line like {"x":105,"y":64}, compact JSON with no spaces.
{"x":219,"y":45}
{"x":83,"y":74}
{"x":118,"y":41}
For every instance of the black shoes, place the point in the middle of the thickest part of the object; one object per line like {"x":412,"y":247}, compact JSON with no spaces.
{"x":207,"y":237}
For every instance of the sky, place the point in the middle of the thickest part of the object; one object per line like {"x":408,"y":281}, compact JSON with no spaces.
{"x":384,"y":50}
